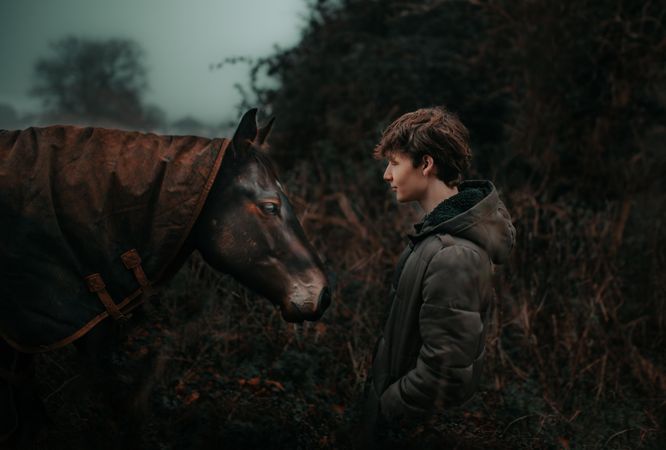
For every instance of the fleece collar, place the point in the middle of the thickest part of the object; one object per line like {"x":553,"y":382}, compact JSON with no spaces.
{"x":449,"y":208}
{"x":477,"y":214}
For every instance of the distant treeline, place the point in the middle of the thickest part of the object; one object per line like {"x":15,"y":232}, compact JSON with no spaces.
{"x":101,"y":83}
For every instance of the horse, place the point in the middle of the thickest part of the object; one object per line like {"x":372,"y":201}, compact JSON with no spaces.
{"x":93,"y":220}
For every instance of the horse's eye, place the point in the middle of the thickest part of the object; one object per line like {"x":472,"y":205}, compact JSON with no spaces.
{"x":270,"y":208}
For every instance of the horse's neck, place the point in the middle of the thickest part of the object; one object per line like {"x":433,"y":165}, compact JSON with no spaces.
{"x":184,"y":253}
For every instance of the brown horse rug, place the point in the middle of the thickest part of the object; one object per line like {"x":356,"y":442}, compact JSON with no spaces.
{"x":90,"y":218}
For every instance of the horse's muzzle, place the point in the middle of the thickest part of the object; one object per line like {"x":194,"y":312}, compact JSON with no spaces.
{"x":295,"y":312}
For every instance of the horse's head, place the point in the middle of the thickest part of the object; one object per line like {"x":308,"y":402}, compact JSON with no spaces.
{"x":248,"y":229}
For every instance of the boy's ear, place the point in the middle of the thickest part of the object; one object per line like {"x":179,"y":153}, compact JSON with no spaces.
{"x":428,"y":165}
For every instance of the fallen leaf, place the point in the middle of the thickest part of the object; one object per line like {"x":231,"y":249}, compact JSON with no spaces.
{"x":564,"y":442}
{"x":320,"y":328}
{"x":275,"y":384}
{"x":193,"y":397}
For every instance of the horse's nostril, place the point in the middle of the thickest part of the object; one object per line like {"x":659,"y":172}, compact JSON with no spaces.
{"x":324,"y":299}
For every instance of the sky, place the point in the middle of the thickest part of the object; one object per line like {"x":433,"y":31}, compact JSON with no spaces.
{"x":181,"y":39}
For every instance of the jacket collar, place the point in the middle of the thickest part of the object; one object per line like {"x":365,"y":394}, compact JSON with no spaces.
{"x":451,"y":210}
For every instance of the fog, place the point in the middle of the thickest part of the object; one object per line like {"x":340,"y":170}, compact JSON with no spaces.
{"x":180,"y":39}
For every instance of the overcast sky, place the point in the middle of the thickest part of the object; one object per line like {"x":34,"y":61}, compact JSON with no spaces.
{"x":180,"y":38}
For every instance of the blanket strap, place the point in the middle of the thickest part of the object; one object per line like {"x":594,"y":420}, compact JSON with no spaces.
{"x":96,"y":285}
{"x":132,"y":261}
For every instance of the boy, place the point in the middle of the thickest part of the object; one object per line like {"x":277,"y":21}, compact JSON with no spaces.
{"x":431,"y":352}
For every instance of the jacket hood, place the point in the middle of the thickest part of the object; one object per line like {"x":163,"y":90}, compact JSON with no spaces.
{"x":476,"y":213}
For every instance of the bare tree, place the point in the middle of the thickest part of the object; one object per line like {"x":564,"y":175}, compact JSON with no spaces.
{"x":93,"y":81}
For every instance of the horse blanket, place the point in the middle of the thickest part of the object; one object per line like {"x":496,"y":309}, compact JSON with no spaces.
{"x":88,"y":216}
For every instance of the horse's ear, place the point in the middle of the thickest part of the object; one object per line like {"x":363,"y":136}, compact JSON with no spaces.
{"x":264,"y":131}
{"x":246,"y":130}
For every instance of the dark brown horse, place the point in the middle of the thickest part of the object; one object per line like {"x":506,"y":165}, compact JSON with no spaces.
{"x":91,"y":220}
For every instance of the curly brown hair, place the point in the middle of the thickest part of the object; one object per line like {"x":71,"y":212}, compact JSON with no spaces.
{"x":430,"y":131}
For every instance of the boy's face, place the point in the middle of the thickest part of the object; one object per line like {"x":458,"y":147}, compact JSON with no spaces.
{"x":408,"y":182}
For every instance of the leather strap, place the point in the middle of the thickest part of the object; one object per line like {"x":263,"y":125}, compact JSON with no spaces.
{"x":96,"y":285}
{"x":132,"y":261}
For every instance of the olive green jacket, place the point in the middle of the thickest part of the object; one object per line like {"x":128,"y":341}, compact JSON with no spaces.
{"x":431,"y":353}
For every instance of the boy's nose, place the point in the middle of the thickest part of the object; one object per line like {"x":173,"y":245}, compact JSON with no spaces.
{"x":387,"y":174}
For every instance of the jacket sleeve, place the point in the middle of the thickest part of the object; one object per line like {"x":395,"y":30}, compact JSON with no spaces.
{"x":451,"y":329}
